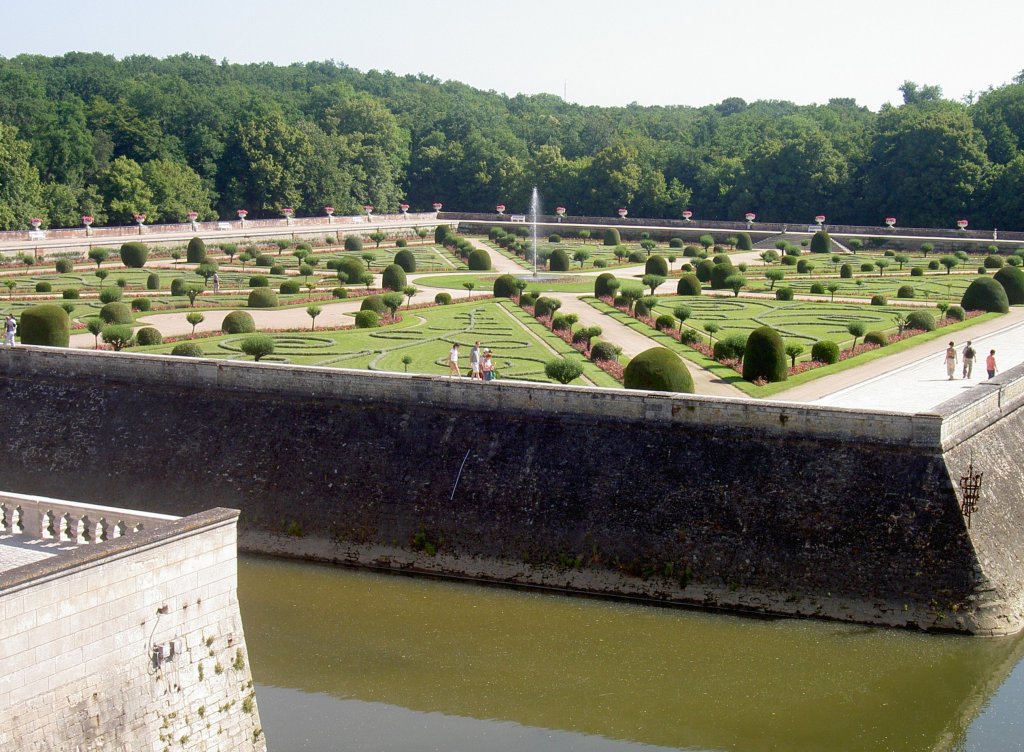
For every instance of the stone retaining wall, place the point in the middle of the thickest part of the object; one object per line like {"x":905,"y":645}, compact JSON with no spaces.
{"x":739,"y":504}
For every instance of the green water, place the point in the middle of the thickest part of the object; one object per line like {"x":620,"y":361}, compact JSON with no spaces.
{"x":359,"y":661}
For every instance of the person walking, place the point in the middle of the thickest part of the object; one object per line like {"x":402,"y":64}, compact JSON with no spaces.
{"x":216,"y":283}
{"x":10,"y":329}
{"x":990,"y":364}
{"x":474,"y":361}
{"x":487,"y":367}
{"x":968,"y":360}
{"x":453,"y":360}
{"x":950,"y":360}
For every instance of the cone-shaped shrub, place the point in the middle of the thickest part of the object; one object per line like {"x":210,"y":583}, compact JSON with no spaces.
{"x":196,"y":251}
{"x":688,"y":285}
{"x":985,"y":294}
{"x":238,"y":322}
{"x":134,"y":255}
{"x":505,"y":286}
{"x":46,"y":324}
{"x":658,"y":369}
{"x":1012,"y":280}
{"x":821,"y":242}
{"x":656,"y":265}
{"x":394,"y":278}
{"x":406,"y":260}
{"x":765,"y":356}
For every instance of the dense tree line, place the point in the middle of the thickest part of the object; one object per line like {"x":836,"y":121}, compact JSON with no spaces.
{"x":90,"y":134}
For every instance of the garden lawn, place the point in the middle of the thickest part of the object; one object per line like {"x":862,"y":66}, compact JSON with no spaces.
{"x":485,"y":282}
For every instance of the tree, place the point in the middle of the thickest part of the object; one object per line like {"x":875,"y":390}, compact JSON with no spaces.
{"x":195,"y":318}
{"x":564,"y":370}
{"x":176,"y":190}
{"x":313,"y":311}
{"x":707,"y":241}
{"x":581,"y":256}
{"x":648,"y":245}
{"x":711,"y":327}
{"x":393,"y":301}
{"x":368,"y":258}
{"x":422,"y":232}
{"x":901,"y":259}
{"x":736,"y":282}
{"x":257,"y":345}
{"x":410,"y":292}
{"x":949,"y":262}
{"x":99,"y":255}
{"x":682,"y":313}
{"x":631,"y":295}
{"x":95,"y":327}
{"x":927,"y":248}
{"x":206,"y":270}
{"x":832,"y":288}
{"x":378,"y":237}
{"x":21,"y":194}
{"x":406,"y":362}
{"x":653,"y":281}
{"x":101,"y":274}
{"x":769,"y":257}
{"x":193,"y":292}
{"x":794,"y":350}
{"x":118,"y":336}
{"x":584,"y":235}
{"x":773,"y":276}
{"x":245,"y":257}
{"x":882,"y":264}
{"x":857,"y":329}
{"x":125,"y":191}
{"x":469,"y":287}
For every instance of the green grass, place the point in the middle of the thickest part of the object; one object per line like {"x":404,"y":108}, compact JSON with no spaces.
{"x":485,"y":282}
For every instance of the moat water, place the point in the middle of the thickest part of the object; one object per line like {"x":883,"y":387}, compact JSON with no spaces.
{"x":349,"y":660}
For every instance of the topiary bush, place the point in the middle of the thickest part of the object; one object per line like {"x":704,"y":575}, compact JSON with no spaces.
{"x":1012,"y":280}
{"x":720,"y":274}
{"x":765,"y":356}
{"x":612,"y":237}
{"x":264,"y":261}
{"x":45,"y":324}
{"x":178,"y":285}
{"x":956,"y":312}
{"x":993,"y":262}
{"x":846,"y":271}
{"x":545,"y":306}
{"x":730,"y":346}
{"x":921,"y":320}
{"x":70,"y":294}
{"x":238,"y":322}
{"x":658,"y":369}
{"x":602,"y":288}
{"x":784,"y":293}
{"x":821,"y":242}
{"x":195,"y":253}
{"x":134,"y":254}
{"x":43,"y":287}
{"x":688,"y":285}
{"x":675,"y":243}
{"x":187,"y":350}
{"x":554,"y":238}
{"x":916,"y":271}
{"x":367,"y":319}
{"x":876,"y":338}
{"x":933,"y":264}
{"x":110,"y":294}
{"x":656,"y":265}
{"x":505,"y":286}
{"x":528,"y":299}
{"x":350,"y":270}
{"x":64,"y":266}
{"x":905,"y":291}
{"x":259,"y":280}
{"x":141,"y":304}
{"x":704,"y":269}
{"x":817,"y":288}
{"x":339,"y":292}
{"x":665,"y":321}
{"x":985,"y":294}
{"x":373,"y":303}
{"x":277,"y":269}
{"x":394,"y":278}
{"x":636,"y":257}
{"x":407,"y":260}
{"x":116,"y":313}
{"x":262,"y":297}
{"x":559,"y":261}
{"x":825,"y":351}
{"x":153,"y":282}
{"x":353,"y":243}
{"x":879,"y":300}
{"x":603,"y":351}
{"x":442,"y":233}
{"x":290,"y":287}
{"x":743,"y":242}
{"x":148,"y":335}
{"x":443,"y":298}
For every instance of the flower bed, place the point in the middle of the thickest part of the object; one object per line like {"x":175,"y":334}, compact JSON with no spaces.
{"x":612,"y":367}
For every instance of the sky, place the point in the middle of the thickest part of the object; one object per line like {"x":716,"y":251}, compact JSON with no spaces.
{"x":599,"y":52}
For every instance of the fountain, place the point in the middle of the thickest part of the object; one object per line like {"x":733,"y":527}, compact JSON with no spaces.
{"x":534,"y":220}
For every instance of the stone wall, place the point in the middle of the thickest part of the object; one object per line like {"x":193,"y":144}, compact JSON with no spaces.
{"x":77,"y":666}
{"x":763,"y":506}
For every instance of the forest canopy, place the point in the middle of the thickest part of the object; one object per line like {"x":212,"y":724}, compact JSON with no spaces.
{"x":86,"y":133}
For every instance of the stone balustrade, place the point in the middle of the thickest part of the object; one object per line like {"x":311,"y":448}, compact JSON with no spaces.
{"x":40,"y":518}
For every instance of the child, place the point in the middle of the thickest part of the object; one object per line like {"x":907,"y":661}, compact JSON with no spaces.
{"x":990,"y":364}
{"x":487,"y":366}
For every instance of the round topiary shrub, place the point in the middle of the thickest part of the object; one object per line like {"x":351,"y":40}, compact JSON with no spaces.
{"x":394,"y":278}
{"x":817,"y":288}
{"x":554,"y":238}
{"x":238,"y":322}
{"x":692,"y":251}
{"x":277,"y":269}
{"x":505,"y":286}
{"x":64,"y":266}
{"x":262,"y":297}
{"x":1012,"y":280}
{"x":743,"y":242}
{"x":765,"y":356}
{"x":866,"y":267}
{"x":704,"y":269}
{"x":134,"y":254}
{"x":933,"y":264}
{"x":665,"y":321}
{"x":916,"y":271}
{"x":905,"y":291}
{"x":921,"y":320}
{"x":443,"y":298}
{"x":141,"y":304}
{"x":722,"y":258}
{"x":876,"y":338}
{"x":993,"y":262}
{"x":259,"y":280}
{"x":656,"y":265}
{"x":339,"y":292}
{"x":443,"y":233}
{"x":601,"y":285}
{"x":264,"y":261}
{"x":353,"y":243}
{"x":985,"y":294}
{"x":153,"y":282}
{"x":195,"y":253}
{"x":784,"y":293}
{"x":70,"y":294}
{"x":636,"y":257}
{"x":350,"y":270}
{"x":730,"y":346}
{"x":612,"y":237}
{"x":676,"y":243}
{"x":640,"y":308}
{"x":559,"y":261}
{"x":43,"y":287}
{"x":603,"y":351}
{"x":148,"y":335}
{"x":545,"y":307}
{"x":407,"y":260}
{"x":658,"y":369}
{"x":720,"y":274}
{"x":373,"y":303}
{"x":821,"y":242}
{"x":688,"y":285}
{"x":290,"y":287}
{"x":879,"y":300}
{"x":110,"y":294}
{"x":825,"y":351}
{"x":846,"y":271}
{"x":116,"y":313}
{"x":187,"y":350}
{"x":956,"y":312}
{"x":47,"y":325}
{"x":367,"y":319}
{"x":528,"y":299}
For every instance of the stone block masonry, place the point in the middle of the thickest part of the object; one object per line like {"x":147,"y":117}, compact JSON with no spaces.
{"x":77,"y":663}
{"x":760,"y":506}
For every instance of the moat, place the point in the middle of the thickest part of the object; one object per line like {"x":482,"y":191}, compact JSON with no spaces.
{"x":360,"y":661}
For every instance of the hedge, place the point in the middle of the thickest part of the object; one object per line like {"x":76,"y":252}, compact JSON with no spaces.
{"x":407,"y":260}
{"x":825,"y":351}
{"x":394,"y":278}
{"x":765,"y":356}
{"x":116,"y":313}
{"x":985,"y":294}
{"x":187,"y":350}
{"x":656,"y":265}
{"x":45,"y":324}
{"x":238,"y":322}
{"x":658,"y":369}
{"x":148,"y":335}
{"x":262,"y":297}
{"x":195,"y":253}
{"x":134,"y":255}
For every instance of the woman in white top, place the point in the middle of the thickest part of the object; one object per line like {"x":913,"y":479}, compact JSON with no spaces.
{"x":453,"y":360}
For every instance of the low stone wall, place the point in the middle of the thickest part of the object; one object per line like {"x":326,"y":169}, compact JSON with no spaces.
{"x":764,"y":506}
{"x":77,"y":663}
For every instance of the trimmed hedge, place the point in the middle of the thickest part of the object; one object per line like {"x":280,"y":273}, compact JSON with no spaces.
{"x":656,"y":265}
{"x":64,"y":266}
{"x":238,"y":322}
{"x":407,"y":260}
{"x":394,"y":278}
{"x":743,"y":242}
{"x":277,"y":269}
{"x":845,"y":271}
{"x":134,"y":254}
{"x":905,"y":291}
{"x":784,"y":293}
{"x":612,"y":237}
{"x":110,"y":294}
{"x":825,"y":351}
{"x":985,"y":294}
{"x":367,"y":319}
{"x":153,"y":282}
{"x":443,"y":298}
{"x":879,"y":300}
{"x":688,"y":285}
{"x":821,"y":242}
{"x":373,"y":303}
{"x":817,"y":288}
{"x":675,"y":243}
{"x":116,"y":313}
{"x":956,"y":312}
{"x":353,"y":243}
{"x":876,"y":338}
{"x":350,"y":270}
{"x":187,"y":350}
{"x":505,"y":286}
{"x":658,"y":369}
{"x":921,"y":320}
{"x":47,"y":325}
{"x":720,"y":274}
{"x":148,"y":335}
{"x":559,"y":261}
{"x":290,"y":287}
{"x":916,"y":271}
{"x":339,"y":292}
{"x":262,"y":297}
{"x":601,"y":287}
{"x":1012,"y":280}
{"x":195,"y":253}
{"x":765,"y":356}
{"x":44,"y":287}
{"x":70,"y":294}
{"x":259,"y":280}
{"x":730,"y":346}
{"x":603,"y":351}
{"x":141,"y":304}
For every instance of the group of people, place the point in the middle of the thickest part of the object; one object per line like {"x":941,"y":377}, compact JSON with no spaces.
{"x":968,"y":357}
{"x":481,"y":364}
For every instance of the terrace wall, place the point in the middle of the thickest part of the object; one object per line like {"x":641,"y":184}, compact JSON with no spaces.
{"x":737,"y":504}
